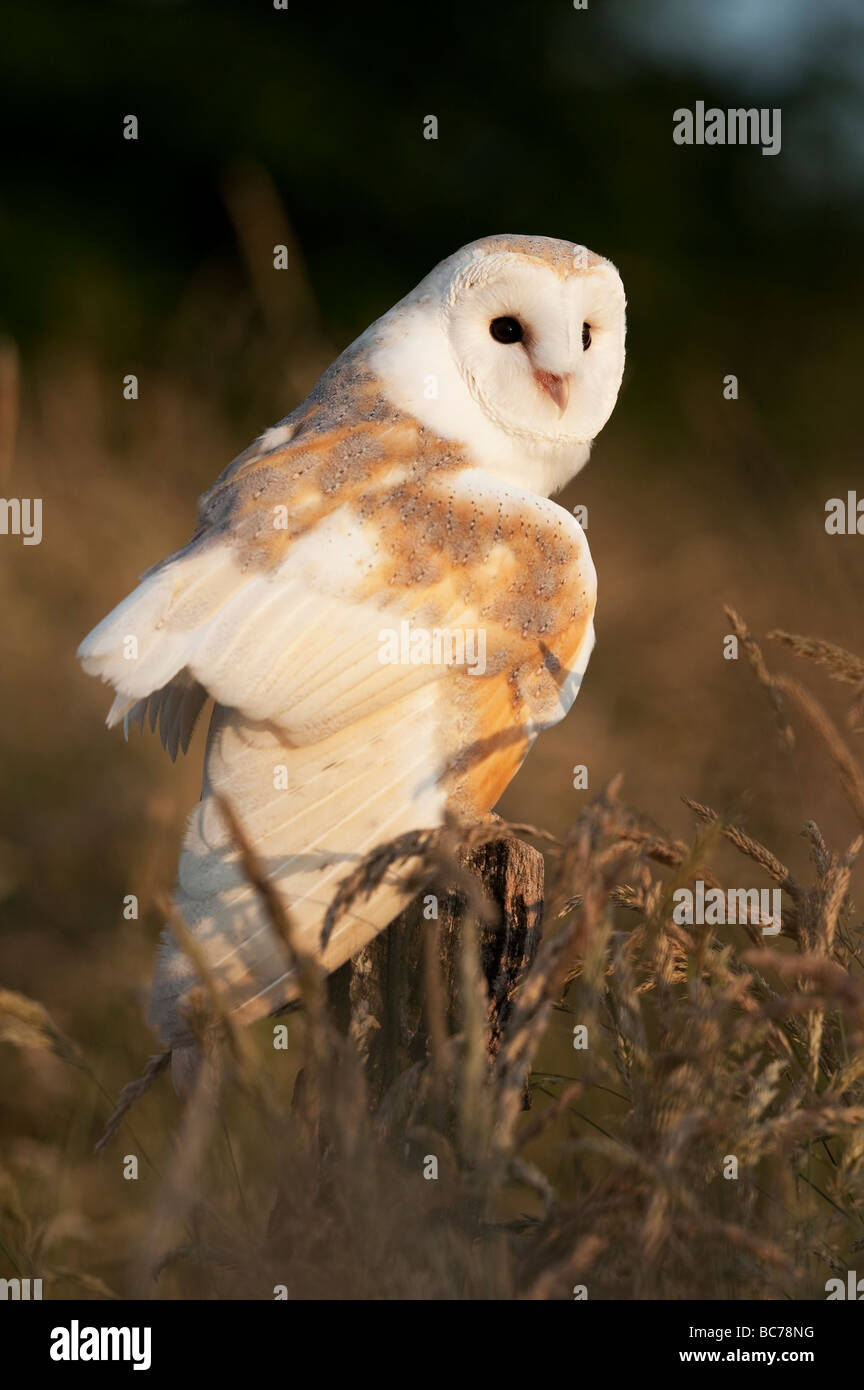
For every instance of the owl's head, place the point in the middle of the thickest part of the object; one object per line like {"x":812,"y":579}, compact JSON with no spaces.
{"x":515,"y":345}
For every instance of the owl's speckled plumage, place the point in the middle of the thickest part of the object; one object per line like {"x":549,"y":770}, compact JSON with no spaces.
{"x":376,"y":502}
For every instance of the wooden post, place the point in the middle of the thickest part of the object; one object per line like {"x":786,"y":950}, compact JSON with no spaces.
{"x":380,"y":994}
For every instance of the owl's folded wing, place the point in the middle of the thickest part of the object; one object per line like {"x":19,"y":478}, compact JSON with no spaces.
{"x":296,"y":645}
{"x":351,"y":614}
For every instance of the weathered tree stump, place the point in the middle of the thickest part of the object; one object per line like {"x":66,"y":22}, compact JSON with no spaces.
{"x":380,"y":996}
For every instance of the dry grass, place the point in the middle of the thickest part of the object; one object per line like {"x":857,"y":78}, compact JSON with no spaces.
{"x":703,"y":1045}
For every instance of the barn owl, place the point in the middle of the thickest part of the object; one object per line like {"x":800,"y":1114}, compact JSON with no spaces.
{"x":334,"y":594}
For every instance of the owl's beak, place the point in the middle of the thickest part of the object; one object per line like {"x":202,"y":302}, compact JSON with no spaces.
{"x":558,"y":387}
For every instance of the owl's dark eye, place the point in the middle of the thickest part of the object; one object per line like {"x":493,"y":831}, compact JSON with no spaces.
{"x":506,"y":330}
{"x":586,"y":336}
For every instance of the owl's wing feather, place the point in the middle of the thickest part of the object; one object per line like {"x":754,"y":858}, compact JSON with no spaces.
{"x":294,"y":646}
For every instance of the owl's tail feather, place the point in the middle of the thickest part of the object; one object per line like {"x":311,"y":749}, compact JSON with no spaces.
{"x":311,"y":813}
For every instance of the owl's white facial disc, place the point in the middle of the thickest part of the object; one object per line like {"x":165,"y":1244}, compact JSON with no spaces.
{"x":515,"y":347}
{"x":543,"y":356}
